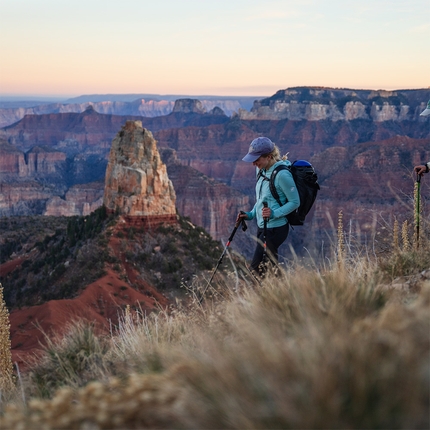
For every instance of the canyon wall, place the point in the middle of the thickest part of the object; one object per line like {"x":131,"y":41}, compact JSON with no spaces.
{"x":316,"y":104}
{"x":37,"y":161}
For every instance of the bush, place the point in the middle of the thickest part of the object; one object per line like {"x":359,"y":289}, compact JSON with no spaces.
{"x":73,"y":360}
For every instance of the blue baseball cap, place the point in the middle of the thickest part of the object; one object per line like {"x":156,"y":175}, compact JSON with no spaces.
{"x":259,"y":146}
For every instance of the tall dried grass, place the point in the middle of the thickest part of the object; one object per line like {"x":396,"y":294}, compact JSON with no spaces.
{"x":6,"y":366}
{"x":308,"y":349}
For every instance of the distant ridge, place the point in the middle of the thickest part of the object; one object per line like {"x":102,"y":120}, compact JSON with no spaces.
{"x":244,"y":100}
{"x":144,"y":105}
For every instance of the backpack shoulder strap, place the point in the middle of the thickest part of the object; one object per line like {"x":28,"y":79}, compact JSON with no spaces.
{"x":272,"y":181}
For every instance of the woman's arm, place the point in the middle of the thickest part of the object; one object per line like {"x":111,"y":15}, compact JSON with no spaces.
{"x":288,"y":186}
{"x":251,"y":215}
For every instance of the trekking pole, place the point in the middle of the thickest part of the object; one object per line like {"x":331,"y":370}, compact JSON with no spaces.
{"x":236,"y":226}
{"x":417,"y":210}
{"x":264,"y":237}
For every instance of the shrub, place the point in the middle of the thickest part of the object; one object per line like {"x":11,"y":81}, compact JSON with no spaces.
{"x":73,"y":360}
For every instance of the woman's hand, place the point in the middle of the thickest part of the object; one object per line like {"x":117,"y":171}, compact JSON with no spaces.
{"x":241,"y":216}
{"x":420,"y":170}
{"x":266,"y":212}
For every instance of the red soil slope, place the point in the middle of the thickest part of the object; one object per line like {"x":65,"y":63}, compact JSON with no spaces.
{"x":101,"y":302}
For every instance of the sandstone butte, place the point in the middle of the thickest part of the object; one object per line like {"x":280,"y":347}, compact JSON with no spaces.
{"x":136,"y":183}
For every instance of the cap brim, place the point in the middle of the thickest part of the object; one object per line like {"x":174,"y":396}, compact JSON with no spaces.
{"x":425,"y":112}
{"x":250,"y":158}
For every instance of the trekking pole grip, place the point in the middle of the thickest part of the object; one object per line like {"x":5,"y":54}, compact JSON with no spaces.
{"x":242,"y":221}
{"x":265,"y":205}
{"x":263,"y":261}
{"x":265,"y":219}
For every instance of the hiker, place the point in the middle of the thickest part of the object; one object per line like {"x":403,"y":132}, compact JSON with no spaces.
{"x":265,"y":156}
{"x":421,"y":169}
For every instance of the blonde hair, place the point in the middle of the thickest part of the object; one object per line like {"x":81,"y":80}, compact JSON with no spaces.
{"x":276,"y":154}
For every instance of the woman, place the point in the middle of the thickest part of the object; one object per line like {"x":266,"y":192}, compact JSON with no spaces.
{"x":265,"y":156}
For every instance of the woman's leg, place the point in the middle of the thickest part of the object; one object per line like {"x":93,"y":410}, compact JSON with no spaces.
{"x":274,"y":239}
{"x":258,"y":253}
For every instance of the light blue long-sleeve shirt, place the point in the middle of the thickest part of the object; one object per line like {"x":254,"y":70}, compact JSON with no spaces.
{"x":288,"y":194}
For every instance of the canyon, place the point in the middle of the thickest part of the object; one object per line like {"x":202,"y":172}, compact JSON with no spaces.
{"x":363,"y":145}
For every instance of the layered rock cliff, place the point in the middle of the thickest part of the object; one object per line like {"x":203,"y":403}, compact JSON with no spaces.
{"x":136,"y":181}
{"x":316,"y":104}
{"x":37,"y":161}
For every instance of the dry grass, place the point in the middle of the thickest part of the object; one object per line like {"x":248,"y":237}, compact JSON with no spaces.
{"x":311,"y":349}
{"x":6,"y":367}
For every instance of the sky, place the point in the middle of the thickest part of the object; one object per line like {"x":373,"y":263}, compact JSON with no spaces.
{"x":211,"y":47}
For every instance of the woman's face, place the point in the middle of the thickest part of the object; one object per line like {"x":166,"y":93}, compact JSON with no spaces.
{"x":262,"y":162}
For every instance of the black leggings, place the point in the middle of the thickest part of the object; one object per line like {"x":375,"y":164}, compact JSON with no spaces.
{"x":275,"y":237}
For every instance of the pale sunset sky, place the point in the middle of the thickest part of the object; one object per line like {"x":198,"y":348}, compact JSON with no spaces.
{"x":211,"y":47}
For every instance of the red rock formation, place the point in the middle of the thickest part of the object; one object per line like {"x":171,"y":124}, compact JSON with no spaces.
{"x":136,"y":181}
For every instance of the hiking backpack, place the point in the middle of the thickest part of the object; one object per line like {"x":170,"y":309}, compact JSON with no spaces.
{"x":307,"y":186}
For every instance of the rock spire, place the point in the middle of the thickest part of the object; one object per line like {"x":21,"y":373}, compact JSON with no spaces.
{"x":136,"y":181}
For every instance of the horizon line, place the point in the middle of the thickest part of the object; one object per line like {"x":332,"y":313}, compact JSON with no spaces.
{"x":32,"y":96}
